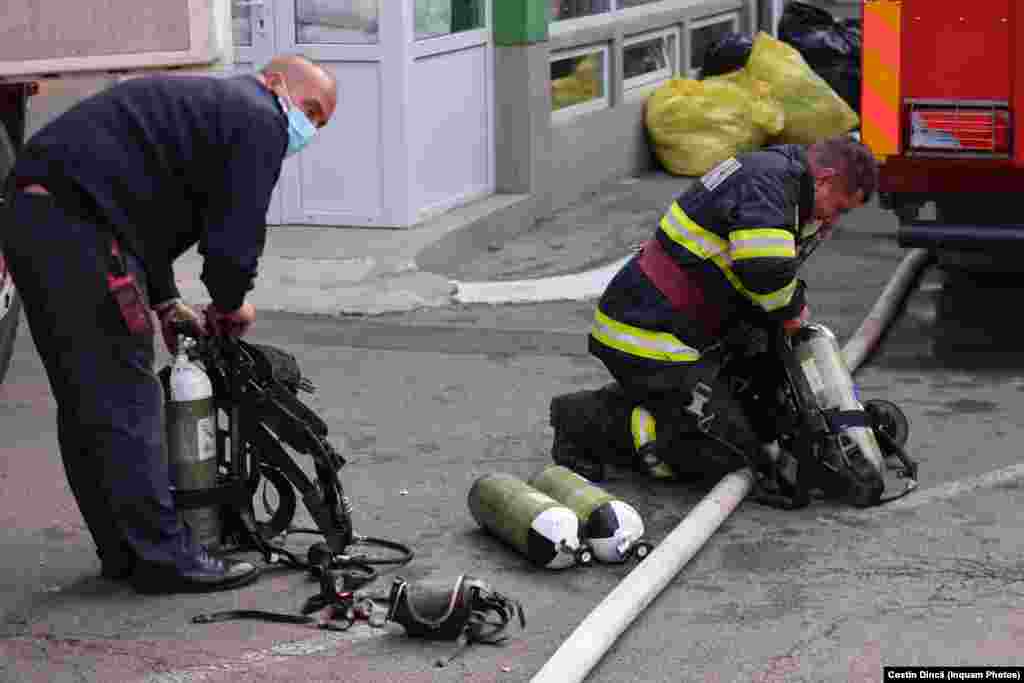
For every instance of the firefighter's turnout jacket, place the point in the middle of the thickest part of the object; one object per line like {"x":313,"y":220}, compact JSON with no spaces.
{"x":725,"y":250}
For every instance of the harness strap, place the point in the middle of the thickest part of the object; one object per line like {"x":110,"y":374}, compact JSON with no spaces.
{"x":678,"y":285}
{"x":843,"y":419}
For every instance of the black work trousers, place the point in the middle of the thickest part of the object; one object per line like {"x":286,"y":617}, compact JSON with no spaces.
{"x":110,"y":415}
{"x":666,"y":392}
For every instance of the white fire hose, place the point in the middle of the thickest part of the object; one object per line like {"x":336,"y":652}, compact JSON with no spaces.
{"x":601,"y":628}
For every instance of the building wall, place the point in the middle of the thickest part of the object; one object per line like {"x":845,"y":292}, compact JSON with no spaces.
{"x":556,"y":159}
{"x":546,"y":161}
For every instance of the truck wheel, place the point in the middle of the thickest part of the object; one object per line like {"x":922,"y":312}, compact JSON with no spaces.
{"x":10,"y":306}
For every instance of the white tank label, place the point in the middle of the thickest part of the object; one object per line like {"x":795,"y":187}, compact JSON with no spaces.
{"x":206,"y":433}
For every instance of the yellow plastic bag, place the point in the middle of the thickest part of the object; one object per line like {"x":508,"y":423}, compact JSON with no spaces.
{"x":583,"y":84}
{"x":695,"y":125}
{"x":813,"y":111}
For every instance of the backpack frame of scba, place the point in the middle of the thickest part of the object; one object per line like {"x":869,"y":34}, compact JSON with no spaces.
{"x":256,"y":386}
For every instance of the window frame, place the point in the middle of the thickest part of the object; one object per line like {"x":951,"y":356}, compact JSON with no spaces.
{"x":438,"y":36}
{"x":673,"y":38}
{"x":598,"y":104}
{"x":613,"y":6}
{"x":696,"y":24}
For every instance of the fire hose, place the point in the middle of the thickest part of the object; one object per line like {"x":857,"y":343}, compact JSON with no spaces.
{"x":601,"y":628}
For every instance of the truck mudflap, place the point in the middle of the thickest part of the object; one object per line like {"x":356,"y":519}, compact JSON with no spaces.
{"x":960,"y":237}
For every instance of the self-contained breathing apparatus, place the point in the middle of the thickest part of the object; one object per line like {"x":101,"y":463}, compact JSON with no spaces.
{"x":257,"y":386}
{"x":798,"y":395}
{"x":219,"y":469}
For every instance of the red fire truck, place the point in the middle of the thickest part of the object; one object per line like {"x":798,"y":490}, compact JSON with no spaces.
{"x":942,"y":94}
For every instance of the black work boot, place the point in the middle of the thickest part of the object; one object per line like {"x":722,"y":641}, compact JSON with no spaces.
{"x":571,"y":445}
{"x":651,"y":463}
{"x":198,"y":573}
{"x":117,"y":564}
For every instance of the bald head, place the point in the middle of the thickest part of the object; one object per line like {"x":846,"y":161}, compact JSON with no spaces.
{"x":310,"y":87}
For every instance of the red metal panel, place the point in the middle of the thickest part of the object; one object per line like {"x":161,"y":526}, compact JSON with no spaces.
{"x":1017,"y":77}
{"x":957,"y":49}
{"x":947,"y":175}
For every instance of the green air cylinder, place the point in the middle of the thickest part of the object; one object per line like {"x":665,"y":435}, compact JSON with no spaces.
{"x":192,"y":443}
{"x":533,"y":523}
{"x":612,"y":528}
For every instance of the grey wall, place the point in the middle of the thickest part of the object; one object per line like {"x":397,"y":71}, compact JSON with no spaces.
{"x":584,"y":153}
{"x":592,"y":148}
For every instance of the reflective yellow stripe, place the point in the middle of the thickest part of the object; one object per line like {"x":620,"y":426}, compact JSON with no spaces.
{"x":748,"y":243}
{"x":642,"y":424}
{"x":683,"y":231}
{"x":773,"y":301}
{"x":762,"y":242}
{"x":638,"y":342}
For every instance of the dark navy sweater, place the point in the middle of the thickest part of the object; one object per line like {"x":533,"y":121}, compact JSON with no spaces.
{"x":167,"y":162}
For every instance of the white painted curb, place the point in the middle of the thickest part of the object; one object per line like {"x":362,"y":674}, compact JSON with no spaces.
{"x":574,"y":287}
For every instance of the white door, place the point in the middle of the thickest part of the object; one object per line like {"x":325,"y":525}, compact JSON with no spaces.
{"x":450,"y":105}
{"x":339,"y":178}
{"x":252,"y":28}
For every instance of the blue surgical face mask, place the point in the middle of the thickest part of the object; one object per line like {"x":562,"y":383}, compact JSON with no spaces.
{"x":300,"y":128}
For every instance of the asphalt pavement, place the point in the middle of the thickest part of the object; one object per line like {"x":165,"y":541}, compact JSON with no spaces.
{"x":424,"y":393}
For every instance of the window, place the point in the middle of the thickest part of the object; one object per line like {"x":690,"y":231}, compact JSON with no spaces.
{"x":443,"y":17}
{"x":649,"y":58}
{"x":571,"y":9}
{"x":703,"y":33}
{"x":579,"y":81}
{"x":336,"y":21}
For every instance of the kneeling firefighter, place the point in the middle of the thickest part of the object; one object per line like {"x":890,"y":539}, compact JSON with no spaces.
{"x":722,"y":264}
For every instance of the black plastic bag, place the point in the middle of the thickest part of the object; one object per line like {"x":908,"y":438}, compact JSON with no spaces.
{"x":831,"y":48}
{"x":728,"y":53}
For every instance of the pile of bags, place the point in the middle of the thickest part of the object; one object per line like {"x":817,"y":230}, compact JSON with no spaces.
{"x":832,"y":48}
{"x":583,"y":84}
{"x":776,"y":97}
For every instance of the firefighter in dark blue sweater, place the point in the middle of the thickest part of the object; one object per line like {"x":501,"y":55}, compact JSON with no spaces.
{"x":122,"y":184}
{"x":726,"y":253}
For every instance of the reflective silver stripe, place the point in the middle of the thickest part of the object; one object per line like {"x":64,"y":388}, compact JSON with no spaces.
{"x":643,"y":343}
{"x":755,"y":246}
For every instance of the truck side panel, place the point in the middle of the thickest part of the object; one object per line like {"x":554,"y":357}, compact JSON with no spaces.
{"x":956,"y":50}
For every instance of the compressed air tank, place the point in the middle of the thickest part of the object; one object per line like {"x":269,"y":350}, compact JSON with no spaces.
{"x":823,"y":364}
{"x":612,"y":528}
{"x":192,"y":442}
{"x":532,"y":522}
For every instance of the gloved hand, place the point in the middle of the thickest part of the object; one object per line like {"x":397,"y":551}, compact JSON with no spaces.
{"x":229,"y":324}
{"x":175,"y":311}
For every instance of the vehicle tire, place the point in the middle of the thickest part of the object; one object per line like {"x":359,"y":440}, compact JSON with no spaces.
{"x":10,"y":305}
